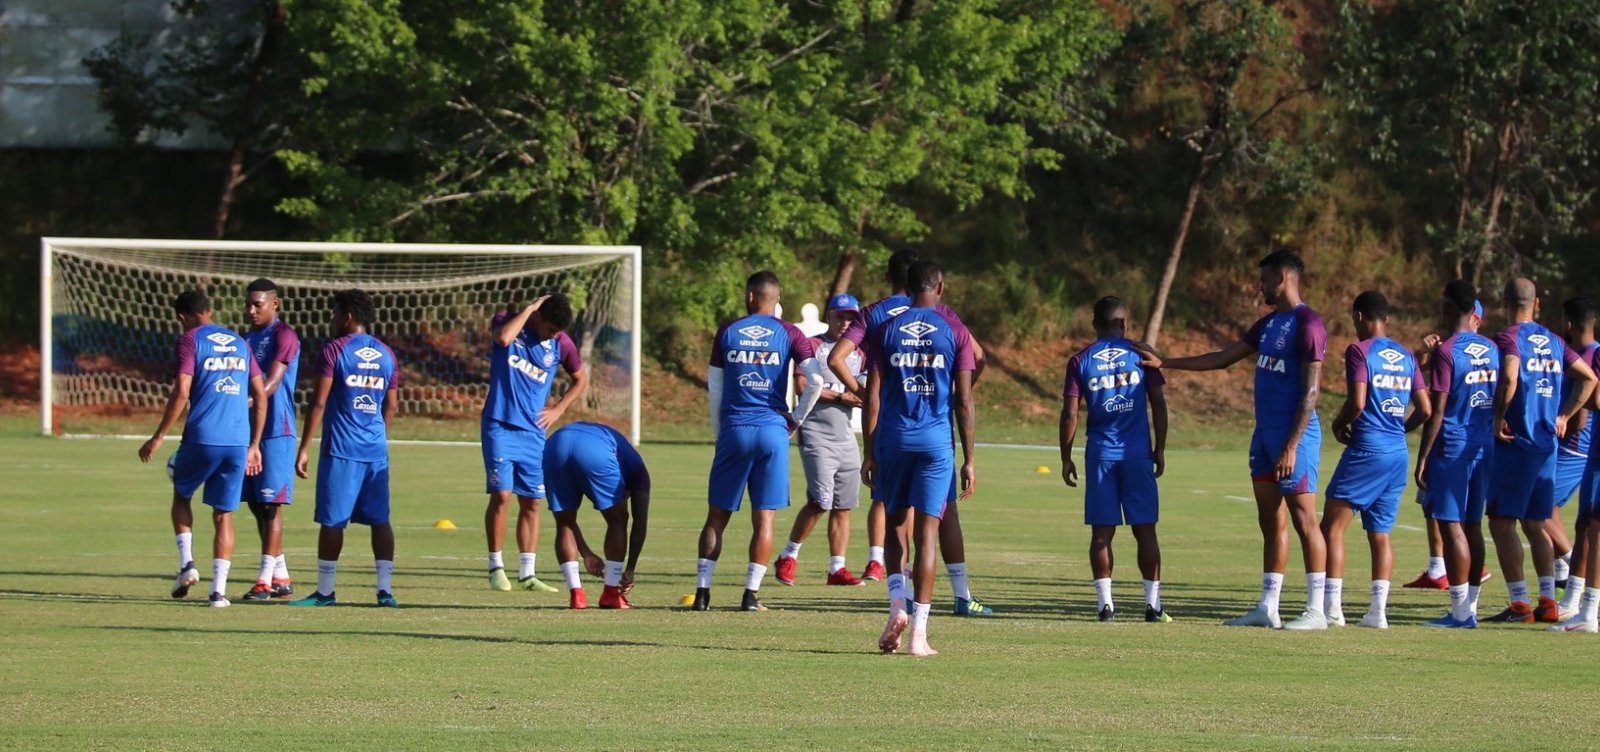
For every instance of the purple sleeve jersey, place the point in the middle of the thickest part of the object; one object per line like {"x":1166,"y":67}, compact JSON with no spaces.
{"x":218,"y":361}
{"x":1107,"y":375}
{"x":363,"y":370}
{"x":1465,"y":368}
{"x":1285,"y":341}
{"x":1390,"y":372}
{"x":876,"y":314}
{"x":522,"y":374}
{"x":915,"y":357}
{"x":278,"y":343}
{"x":1543,"y":360}
{"x":755,"y":354}
{"x":1578,"y":442}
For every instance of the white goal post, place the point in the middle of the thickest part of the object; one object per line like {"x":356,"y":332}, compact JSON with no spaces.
{"x":106,"y":325}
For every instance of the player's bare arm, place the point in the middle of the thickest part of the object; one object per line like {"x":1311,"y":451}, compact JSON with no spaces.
{"x":839,"y":363}
{"x":258,"y":423}
{"x":1157,"y":395}
{"x":1572,"y":406}
{"x":319,"y":403}
{"x":1430,"y":435}
{"x":1211,"y":361}
{"x":639,"y":507}
{"x":1311,"y":389}
{"x":275,"y":373}
{"x":1505,"y":390}
{"x":553,"y":413}
{"x":966,"y":425}
{"x":869,"y":429}
{"x":1066,"y":435}
{"x":1354,"y":403}
{"x":1421,"y":409}
{"x":507,"y":333}
{"x":177,"y":398}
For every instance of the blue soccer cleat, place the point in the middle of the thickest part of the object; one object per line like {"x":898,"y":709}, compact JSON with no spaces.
{"x":385,"y":600}
{"x":314,"y":599}
{"x":1449,"y":621}
{"x":972,"y":607}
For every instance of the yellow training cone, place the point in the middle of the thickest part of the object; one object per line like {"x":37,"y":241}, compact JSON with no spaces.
{"x":444,"y":525}
{"x":687,"y":600}
{"x":1042,"y":469}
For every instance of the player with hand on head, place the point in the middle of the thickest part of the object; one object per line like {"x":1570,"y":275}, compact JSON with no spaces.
{"x":829,"y":454}
{"x":529,"y":345}
{"x":1383,"y":383}
{"x":589,"y":459}
{"x":1287,"y":444}
{"x":221,"y":438}
{"x":1571,"y":459}
{"x":1124,"y":399}
{"x":357,"y":381}
{"x":747,"y":377}
{"x":276,"y":349}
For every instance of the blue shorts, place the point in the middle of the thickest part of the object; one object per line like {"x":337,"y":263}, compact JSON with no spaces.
{"x":219,"y":468}
{"x":754,"y":458}
{"x":352,"y":491}
{"x":575,"y":467}
{"x":513,"y":459}
{"x":275,"y":483}
{"x":1118,"y":491}
{"x":1458,"y":487}
{"x":1373,"y":483}
{"x":1522,"y":484}
{"x":1265,"y":446}
{"x":950,"y":496}
{"x":915,"y":478}
{"x":1588,"y":491}
{"x":1569,"y":475}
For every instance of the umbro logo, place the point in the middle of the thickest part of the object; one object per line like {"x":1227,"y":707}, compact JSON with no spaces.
{"x":1539,"y":339}
{"x":1110,"y":354}
{"x":369,"y":354}
{"x":1476,"y":349}
{"x":919,"y":329}
{"x":756,"y":331}
{"x":1393,"y":356}
{"x":220,"y":338}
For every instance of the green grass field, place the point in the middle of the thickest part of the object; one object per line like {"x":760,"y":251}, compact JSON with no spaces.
{"x":96,"y":656}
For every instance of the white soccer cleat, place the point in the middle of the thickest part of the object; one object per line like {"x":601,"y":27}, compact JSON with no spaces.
{"x":1258,"y":617}
{"x":187,"y":578}
{"x":1308,"y":621}
{"x":1374,"y":621}
{"x":1336,"y":619}
{"x":1566,"y":611}
{"x":218,"y":600}
{"x":1576,"y":624}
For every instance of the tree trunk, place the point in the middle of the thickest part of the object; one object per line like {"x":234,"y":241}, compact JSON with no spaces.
{"x":234,"y":176}
{"x":847,"y":261}
{"x":1158,"y":309}
{"x":1505,"y":144}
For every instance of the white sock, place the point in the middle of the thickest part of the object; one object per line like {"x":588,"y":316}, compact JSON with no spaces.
{"x":268,"y":563}
{"x":1380,"y":597}
{"x":1316,"y":590}
{"x":753,"y":575}
{"x":496,"y":561}
{"x":1102,"y":593}
{"x":1271,"y":591}
{"x":281,"y":571}
{"x":875,"y":553}
{"x":919,"y":616}
{"x":703,"y":572}
{"x":574,"y":574}
{"x":1591,"y":604}
{"x":835,"y":563}
{"x":1518,"y":591}
{"x":1333,"y":596}
{"x":958,"y":580}
{"x":613,"y":573}
{"x":1472,"y":598}
{"x":1564,"y":566}
{"x":1575,"y":588}
{"x":385,"y":575}
{"x":1547,"y":587}
{"x":791,"y":551}
{"x":1460,"y":609}
{"x":1152,"y":594}
{"x":525,"y":566}
{"x":219,"y":575}
{"x":326,"y":571}
{"x":1436,"y":567}
{"x":897,"y":594}
{"x":186,"y":549}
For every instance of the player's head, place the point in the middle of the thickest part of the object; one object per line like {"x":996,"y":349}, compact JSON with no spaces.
{"x":1456,"y":304}
{"x":1370,"y":313}
{"x":261,"y":302}
{"x":761,"y":292}
{"x":554,"y":315}
{"x":353,"y":311}
{"x":899,"y":269}
{"x":842,"y":309}
{"x":1110,"y":317}
{"x":193,"y":308}
{"x":1521,"y":299}
{"x":1477,"y":314}
{"x":925,"y":282}
{"x":1281,"y":271}
{"x":1580,"y":314}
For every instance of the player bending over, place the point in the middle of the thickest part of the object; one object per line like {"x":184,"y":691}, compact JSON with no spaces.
{"x":589,"y":459}
{"x":221,"y":438}
{"x":1383,"y":382}
{"x":1571,"y":460}
{"x":276,"y":349}
{"x":357,"y":376}
{"x":750,"y":362}
{"x":1122,"y":462}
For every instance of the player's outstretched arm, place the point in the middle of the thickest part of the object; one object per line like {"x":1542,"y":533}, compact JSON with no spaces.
{"x":319,"y":404}
{"x":1066,"y":435}
{"x":1211,"y":361}
{"x":966,"y":426}
{"x":1430,"y":435}
{"x":258,"y":423}
{"x":176,"y":399}
{"x":839,"y":363}
{"x":1157,"y":394}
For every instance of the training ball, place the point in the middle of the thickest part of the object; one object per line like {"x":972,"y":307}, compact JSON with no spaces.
{"x":1042,"y":469}
{"x":687,"y":600}
{"x":444,"y":525}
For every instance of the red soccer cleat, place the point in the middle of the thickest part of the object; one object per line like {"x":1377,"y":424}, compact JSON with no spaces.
{"x":612,"y":597}
{"x":786,"y":567}
{"x":1484,"y":577}
{"x":843,"y":577}
{"x":576,"y":599}
{"x":874,"y":572}
{"x":1547,"y":611}
{"x":1429,"y":583}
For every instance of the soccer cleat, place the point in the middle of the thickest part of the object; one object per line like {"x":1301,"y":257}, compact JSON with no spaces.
{"x":1429,"y":583}
{"x":314,"y":599}
{"x":534,"y":585}
{"x":1484,"y":576}
{"x":751,"y":602}
{"x":702,"y":599}
{"x":576,"y":599}
{"x":261,"y":592}
{"x":187,"y":577}
{"x":1155,"y":616}
{"x":498,"y":579}
{"x":218,"y":600}
{"x":386,"y":600}
{"x":282,"y":588}
{"x":1449,"y":621}
{"x":1107,"y":614}
{"x":612,"y":597}
{"x":1307,"y":621}
{"x":1567,"y":612}
{"x":1547,"y":611}
{"x":1336,"y":620}
{"x":874,"y":572}
{"x":785,"y":570}
{"x":1517,"y":613}
{"x":1576,"y":624}
{"x":843,"y":577}
{"x":1258,"y":617}
{"x":1374,"y":621}
{"x":971,"y":607}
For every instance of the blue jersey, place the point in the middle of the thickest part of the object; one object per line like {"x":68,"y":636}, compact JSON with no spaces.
{"x":1464,"y":368}
{"x":363,"y":370}
{"x":521,"y":375}
{"x":1544,"y":358}
{"x":1107,"y":375}
{"x":1390,"y":372}
{"x":755,"y":354}
{"x":220,"y":365}
{"x":610,"y":440}
{"x":277,"y":343}
{"x":875,"y":314}
{"x":1285,"y":342}
{"x":914,"y":358}
{"x":1578,"y":443}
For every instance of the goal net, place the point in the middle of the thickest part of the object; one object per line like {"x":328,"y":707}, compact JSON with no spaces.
{"x":107,"y":326}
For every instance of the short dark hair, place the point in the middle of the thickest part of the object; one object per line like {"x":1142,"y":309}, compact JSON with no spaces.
{"x":900,"y":267}
{"x":556,"y":310}
{"x":923,"y":276}
{"x":262,"y":284}
{"x":1460,"y":294}
{"x":191,"y":302}
{"x":1579,"y":310}
{"x":1372,"y":305}
{"x":1284,"y":259}
{"x":763,"y":282}
{"x":357,"y":303}
{"x":1106,"y":307}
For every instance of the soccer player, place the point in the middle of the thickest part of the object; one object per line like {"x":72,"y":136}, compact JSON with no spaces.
{"x":221,"y":438}
{"x":1384,"y":381}
{"x":1586,"y":617}
{"x":1122,"y":462}
{"x":589,"y":459}
{"x":747,"y":376}
{"x":829,"y":454}
{"x":276,"y":349}
{"x":1531,"y":416}
{"x":529,"y":345}
{"x":1285,"y":449}
{"x":357,"y":377}
{"x":952,"y":543}
{"x":1571,"y":459}
{"x":922,"y":365}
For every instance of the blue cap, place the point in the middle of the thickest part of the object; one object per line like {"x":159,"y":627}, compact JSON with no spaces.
{"x":1477,"y":308}
{"x":844,"y":302}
